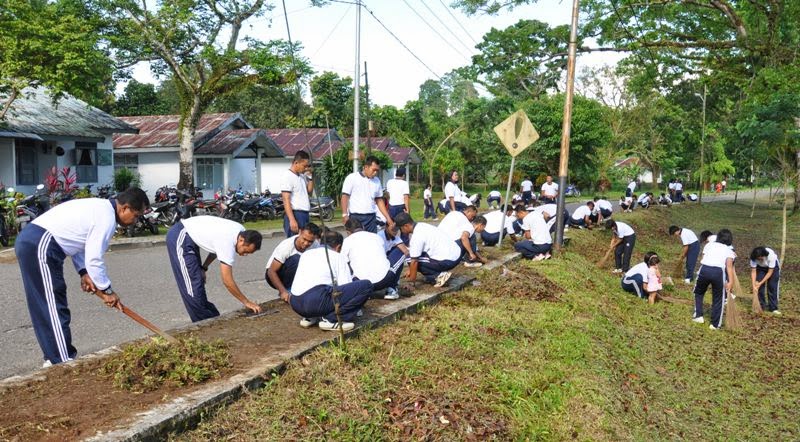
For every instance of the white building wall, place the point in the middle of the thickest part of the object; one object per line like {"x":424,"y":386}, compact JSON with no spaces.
{"x":158,"y":169}
{"x":7,"y":163}
{"x":243,"y":173}
{"x":271,"y":170}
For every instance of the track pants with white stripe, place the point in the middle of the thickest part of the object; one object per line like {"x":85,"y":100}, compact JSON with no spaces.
{"x":634,"y":284}
{"x":41,"y":262}
{"x":318,"y":301}
{"x":716,"y":278}
{"x":623,"y":252}
{"x":184,"y":257}
{"x":396,"y":260}
{"x":430,"y":268}
{"x":769,"y":293}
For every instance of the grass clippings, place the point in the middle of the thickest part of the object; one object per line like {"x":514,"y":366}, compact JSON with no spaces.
{"x":149,"y":365}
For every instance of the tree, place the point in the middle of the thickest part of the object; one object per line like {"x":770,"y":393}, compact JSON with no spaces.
{"x":53,"y":44}
{"x":140,"y":99}
{"x":265,"y":106}
{"x":196,"y":42}
{"x":331,"y":95}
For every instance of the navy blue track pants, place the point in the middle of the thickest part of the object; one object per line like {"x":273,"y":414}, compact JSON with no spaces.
{"x":634,"y":284}
{"x":716,"y":278}
{"x":301,"y":216}
{"x":430,"y":268}
{"x":396,"y":260}
{"x":184,"y":257}
{"x":691,"y":259}
{"x":769,"y":293}
{"x":286,"y":272}
{"x":318,"y":301}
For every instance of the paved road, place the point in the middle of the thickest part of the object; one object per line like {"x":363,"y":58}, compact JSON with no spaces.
{"x":145,"y":283}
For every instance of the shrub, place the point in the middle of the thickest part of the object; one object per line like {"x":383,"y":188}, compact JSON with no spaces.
{"x":125,"y":178}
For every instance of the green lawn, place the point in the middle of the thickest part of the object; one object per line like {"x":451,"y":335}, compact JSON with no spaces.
{"x":496,"y":361}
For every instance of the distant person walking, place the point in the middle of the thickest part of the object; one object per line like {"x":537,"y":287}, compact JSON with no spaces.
{"x":526,"y":187}
{"x":427,"y":199}
{"x":399,"y":199}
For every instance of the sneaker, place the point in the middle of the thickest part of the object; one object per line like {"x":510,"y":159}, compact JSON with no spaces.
{"x":617,"y":271}
{"x":326,"y":325}
{"x":581,"y":227}
{"x":47,"y":363}
{"x":538,"y":257}
{"x":442,"y":279}
{"x":391,"y":293}
{"x":699,"y":320}
{"x":711,"y":327}
{"x":472,"y":263}
{"x":547,"y":256}
{"x":687,"y":281}
{"x":776,"y":312}
{"x":308,"y":322}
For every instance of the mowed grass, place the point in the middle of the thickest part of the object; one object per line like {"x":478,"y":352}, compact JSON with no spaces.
{"x":503,"y":360}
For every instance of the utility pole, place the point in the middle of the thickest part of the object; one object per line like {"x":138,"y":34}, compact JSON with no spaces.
{"x":566,"y":127}
{"x":357,"y":88}
{"x":702,"y":148}
{"x":368,"y":115}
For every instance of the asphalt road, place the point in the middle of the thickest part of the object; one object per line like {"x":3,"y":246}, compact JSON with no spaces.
{"x":145,"y":283}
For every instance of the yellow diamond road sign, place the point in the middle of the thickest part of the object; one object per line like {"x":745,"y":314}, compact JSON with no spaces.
{"x":516,"y":133}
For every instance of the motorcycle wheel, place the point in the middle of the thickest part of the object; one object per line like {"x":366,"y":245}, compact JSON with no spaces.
{"x":271,"y":214}
{"x":326,"y":214}
{"x":3,"y":232}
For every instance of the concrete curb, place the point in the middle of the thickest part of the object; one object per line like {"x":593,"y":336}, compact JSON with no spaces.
{"x":185,"y":412}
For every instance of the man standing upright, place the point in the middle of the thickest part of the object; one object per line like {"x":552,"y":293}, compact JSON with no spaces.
{"x":223,"y":239}
{"x":296,"y":185}
{"x":361,"y":195}
{"x":398,"y":193}
{"x":527,"y":191}
{"x":549,"y":191}
{"x":80,"y":229}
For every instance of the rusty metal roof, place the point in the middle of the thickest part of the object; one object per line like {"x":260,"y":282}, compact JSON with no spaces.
{"x":291,"y":141}
{"x":389,"y":146}
{"x":161,"y":131}
{"x":34,"y":112}
{"x":232,"y":142}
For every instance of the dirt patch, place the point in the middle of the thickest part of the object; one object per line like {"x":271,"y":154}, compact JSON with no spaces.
{"x":518,"y":280}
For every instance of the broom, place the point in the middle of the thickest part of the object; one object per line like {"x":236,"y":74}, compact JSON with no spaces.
{"x":677,"y":272}
{"x":605,"y":257}
{"x":734,"y":321}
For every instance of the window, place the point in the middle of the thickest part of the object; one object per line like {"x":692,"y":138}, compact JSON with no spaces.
{"x":27,"y":172}
{"x":86,"y":161}
{"x":126,"y":161}
{"x":210,"y":173}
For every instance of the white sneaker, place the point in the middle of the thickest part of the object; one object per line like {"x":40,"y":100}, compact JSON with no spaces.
{"x":547,"y":256}
{"x":47,"y":363}
{"x":538,"y":257}
{"x":617,"y":271}
{"x":391,"y":293}
{"x":776,"y":312}
{"x":699,"y":320}
{"x":711,"y":327}
{"x":308,"y":322}
{"x":326,"y":325}
{"x":442,"y":279}
{"x":472,"y":263}
{"x":687,"y":281}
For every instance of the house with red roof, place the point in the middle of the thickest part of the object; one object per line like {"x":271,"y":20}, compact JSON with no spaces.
{"x":318,"y":142}
{"x":228,"y":151}
{"x":401,"y":156}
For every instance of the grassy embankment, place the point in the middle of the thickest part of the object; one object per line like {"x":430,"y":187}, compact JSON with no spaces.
{"x":492,"y":361}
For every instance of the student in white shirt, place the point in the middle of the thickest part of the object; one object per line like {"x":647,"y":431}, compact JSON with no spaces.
{"x":494,"y":225}
{"x":631,"y":188}
{"x":223,"y":239}
{"x":690,"y":251}
{"x":582,"y":216}
{"x":80,"y":229}
{"x":461,"y":227}
{"x":494,"y":199}
{"x":361,"y":195}
{"x":526,"y":187}
{"x":368,"y":259}
{"x":623,"y":240}
{"x":626,"y":203}
{"x":664,"y":200}
{"x":427,"y":199}
{"x":671,"y":189}
{"x":452,"y":195}
{"x":765,"y":275}
{"x":678,"y":192}
{"x":398,"y":193}
{"x":549,"y":190}
{"x":537,"y":241}
{"x":282,"y":264}
{"x":391,"y":239}
{"x":432,"y":252}
{"x":296,"y":185}
{"x":716,"y":265}
{"x":636,"y":279}
{"x":605,"y":208}
{"x":312,"y":295}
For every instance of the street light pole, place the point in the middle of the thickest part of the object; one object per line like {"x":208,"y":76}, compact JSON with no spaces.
{"x":702,"y":148}
{"x":357,"y":88}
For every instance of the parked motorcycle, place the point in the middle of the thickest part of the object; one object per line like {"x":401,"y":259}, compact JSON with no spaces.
{"x":32,"y":206}
{"x":148,"y":221}
{"x":572,"y":190}
{"x":7,"y":202}
{"x":322,"y":207}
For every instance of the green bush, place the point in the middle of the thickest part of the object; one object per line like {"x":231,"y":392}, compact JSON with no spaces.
{"x":125,"y":178}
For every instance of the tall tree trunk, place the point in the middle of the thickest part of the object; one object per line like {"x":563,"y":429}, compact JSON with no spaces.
{"x":753,"y":209}
{"x":656,"y":171}
{"x":785,"y":207}
{"x":188,"y":126}
{"x":797,"y":185}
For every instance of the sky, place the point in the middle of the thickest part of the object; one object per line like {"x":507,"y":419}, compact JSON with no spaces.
{"x":425,"y":27}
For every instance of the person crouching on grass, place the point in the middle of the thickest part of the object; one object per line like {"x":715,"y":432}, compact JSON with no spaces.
{"x":538,"y":242}
{"x":765,"y":275}
{"x":716,"y":265}
{"x":644,"y":279}
{"x":431,"y":251}
{"x":311,"y":295}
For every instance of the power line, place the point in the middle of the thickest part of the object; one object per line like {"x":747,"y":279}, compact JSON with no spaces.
{"x":398,"y":40}
{"x":434,"y":30}
{"x":336,"y":26}
{"x":469,"y":50}
{"x":457,"y":21}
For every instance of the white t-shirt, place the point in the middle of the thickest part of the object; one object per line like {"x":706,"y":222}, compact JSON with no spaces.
{"x":495,"y":194}
{"x":549,"y":190}
{"x":454,"y":224}
{"x":639,"y":269}
{"x":451,"y":190}
{"x":526,"y":185}
{"x":604,"y":205}
{"x":724,"y":183}
{"x":362,"y":191}
{"x":427,"y":194}
{"x":632,"y":185}
{"x":711,"y":238}
{"x":678,"y":186}
{"x":540,"y":232}
{"x":671,"y":186}
{"x":286,"y":249}
{"x":429,"y":239}
{"x":551,"y":209}
{"x":297,"y":186}
{"x":627,"y":201}
{"x":389,"y":244}
{"x":494,"y":221}
{"x":642,"y":198}
{"x":366,"y":254}
{"x":397,"y":190}
{"x":83,"y":228}
{"x":687,"y":237}
{"x":624,"y":230}
{"x":313,"y":270}
{"x":581,"y":212}
{"x":510,"y":220}
{"x":771,"y":261}
{"x":715,"y":254}
{"x":214,"y":235}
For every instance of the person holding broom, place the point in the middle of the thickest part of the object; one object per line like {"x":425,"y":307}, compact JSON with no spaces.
{"x":690,"y":252}
{"x":716,"y":267}
{"x":622,"y":241}
{"x":765,"y":275}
